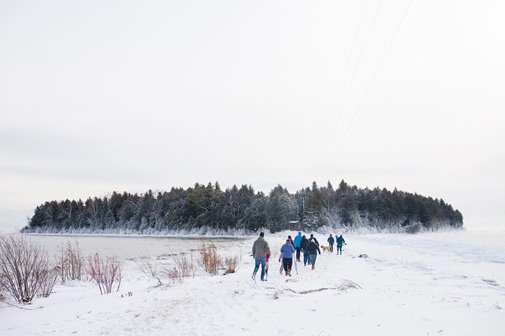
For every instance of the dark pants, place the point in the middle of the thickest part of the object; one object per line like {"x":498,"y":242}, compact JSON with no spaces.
{"x":339,"y":249}
{"x":305,"y":258}
{"x":287,"y":263}
{"x":312,"y":259}
{"x":298,"y":253}
{"x":331,"y":247}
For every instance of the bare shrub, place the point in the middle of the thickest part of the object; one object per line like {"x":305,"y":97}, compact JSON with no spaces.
{"x":70,"y":263}
{"x":185,"y":265}
{"x":22,"y":267}
{"x":105,"y":272}
{"x":209,"y":258}
{"x":149,"y":268}
{"x":231,"y":262}
{"x":174,"y":275}
{"x":48,"y":280}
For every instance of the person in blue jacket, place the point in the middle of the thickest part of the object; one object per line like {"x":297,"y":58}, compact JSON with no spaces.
{"x":331,"y":241}
{"x":340,"y":243}
{"x":287,"y":251}
{"x":298,"y":244}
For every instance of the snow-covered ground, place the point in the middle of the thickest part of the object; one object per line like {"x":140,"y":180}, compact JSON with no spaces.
{"x":450,"y":283}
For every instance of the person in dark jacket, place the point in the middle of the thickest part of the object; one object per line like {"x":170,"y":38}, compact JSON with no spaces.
{"x":340,"y":243}
{"x":313,"y":249}
{"x":303,"y":246}
{"x":314,"y":238}
{"x":331,"y":241}
{"x":291,"y":241}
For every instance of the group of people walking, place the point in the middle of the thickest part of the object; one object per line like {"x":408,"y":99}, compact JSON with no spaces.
{"x":340,"y":243}
{"x":309,"y":247}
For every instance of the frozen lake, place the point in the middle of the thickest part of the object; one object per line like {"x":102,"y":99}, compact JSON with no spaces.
{"x":128,"y":247}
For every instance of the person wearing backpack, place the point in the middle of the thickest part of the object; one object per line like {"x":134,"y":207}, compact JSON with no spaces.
{"x":303,"y":246}
{"x":312,"y":250}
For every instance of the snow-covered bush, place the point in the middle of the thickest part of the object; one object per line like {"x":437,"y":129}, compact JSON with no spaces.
{"x":105,"y":272}
{"x":22,"y":267}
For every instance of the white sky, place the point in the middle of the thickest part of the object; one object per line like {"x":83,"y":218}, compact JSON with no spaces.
{"x":97,"y":96}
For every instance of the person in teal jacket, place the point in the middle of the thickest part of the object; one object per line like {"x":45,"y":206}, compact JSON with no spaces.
{"x":298,"y":244}
{"x":340,"y":243}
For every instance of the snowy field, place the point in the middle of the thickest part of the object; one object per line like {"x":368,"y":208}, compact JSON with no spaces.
{"x":450,"y":283}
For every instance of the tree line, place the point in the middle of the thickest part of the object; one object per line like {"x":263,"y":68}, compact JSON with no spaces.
{"x":204,"y":208}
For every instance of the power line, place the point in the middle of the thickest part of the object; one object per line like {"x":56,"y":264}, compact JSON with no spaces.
{"x":356,"y":68}
{"x":358,"y":108}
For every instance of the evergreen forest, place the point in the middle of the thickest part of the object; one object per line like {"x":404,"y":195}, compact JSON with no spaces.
{"x":207,"y":209}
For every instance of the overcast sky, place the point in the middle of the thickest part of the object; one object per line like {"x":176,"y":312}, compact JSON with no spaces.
{"x":97,"y":96}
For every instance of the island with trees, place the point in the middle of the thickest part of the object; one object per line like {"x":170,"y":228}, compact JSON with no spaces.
{"x":207,"y":209}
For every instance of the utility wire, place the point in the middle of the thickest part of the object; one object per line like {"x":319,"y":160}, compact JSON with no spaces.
{"x":358,"y":108}
{"x":348,"y":64}
{"x":379,"y":66}
{"x":353,"y":77}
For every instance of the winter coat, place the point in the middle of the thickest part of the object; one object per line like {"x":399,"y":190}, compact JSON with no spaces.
{"x":260,"y":247}
{"x":287,"y":250}
{"x":340,"y":240}
{"x":313,"y":248}
{"x":314,"y":238}
{"x":331,"y":240}
{"x":304,"y":244}
{"x":298,"y":239}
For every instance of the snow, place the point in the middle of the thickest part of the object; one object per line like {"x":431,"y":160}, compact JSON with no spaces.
{"x":450,"y":283}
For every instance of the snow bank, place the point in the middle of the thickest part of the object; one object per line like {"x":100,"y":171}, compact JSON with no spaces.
{"x":427,"y":284}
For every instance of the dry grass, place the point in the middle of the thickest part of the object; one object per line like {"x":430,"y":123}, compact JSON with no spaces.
{"x":231,"y":262}
{"x":209,"y":258}
{"x":183,"y":266}
{"x":174,"y":275}
{"x":105,"y":272}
